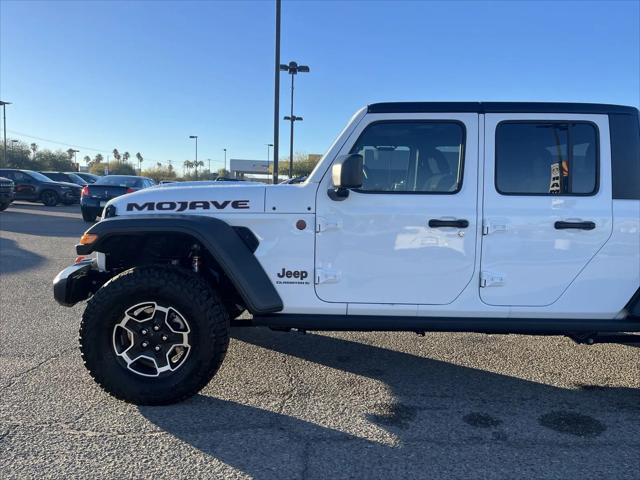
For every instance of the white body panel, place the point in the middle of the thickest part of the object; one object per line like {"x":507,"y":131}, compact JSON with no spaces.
{"x":375,"y":254}
{"x":379,"y":244}
{"x":535,"y":261}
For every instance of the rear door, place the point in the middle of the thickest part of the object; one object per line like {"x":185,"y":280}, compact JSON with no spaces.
{"x":547,"y":204}
{"x":24,"y":185}
{"x":408,"y":235}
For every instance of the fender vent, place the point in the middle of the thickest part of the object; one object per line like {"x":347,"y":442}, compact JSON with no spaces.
{"x":248,"y":238}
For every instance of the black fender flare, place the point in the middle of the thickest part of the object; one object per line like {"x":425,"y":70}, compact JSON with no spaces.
{"x":220,"y":239}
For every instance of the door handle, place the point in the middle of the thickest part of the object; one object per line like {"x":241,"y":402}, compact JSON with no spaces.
{"x":577,"y":225}
{"x":435,"y":223}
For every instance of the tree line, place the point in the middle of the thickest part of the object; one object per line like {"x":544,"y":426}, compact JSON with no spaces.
{"x":31,"y":157}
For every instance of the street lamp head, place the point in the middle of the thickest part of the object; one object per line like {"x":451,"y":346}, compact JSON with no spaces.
{"x":294,"y":118}
{"x":2,"y":103}
{"x":193,"y":136}
{"x":14,"y":141}
{"x":269,"y":144}
{"x":293,"y":68}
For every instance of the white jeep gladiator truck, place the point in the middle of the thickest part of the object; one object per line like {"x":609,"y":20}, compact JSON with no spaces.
{"x":481,"y":217}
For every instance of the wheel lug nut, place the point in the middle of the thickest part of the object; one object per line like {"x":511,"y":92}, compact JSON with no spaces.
{"x":164,"y":338}
{"x":145,"y":344}
{"x":156,"y":328}
{"x":144,"y":331}
{"x":157,"y":348}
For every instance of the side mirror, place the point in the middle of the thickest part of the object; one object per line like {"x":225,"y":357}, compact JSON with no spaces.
{"x":346,"y":174}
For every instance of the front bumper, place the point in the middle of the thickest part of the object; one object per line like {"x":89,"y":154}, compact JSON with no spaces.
{"x":70,"y":197}
{"x":76,"y":283}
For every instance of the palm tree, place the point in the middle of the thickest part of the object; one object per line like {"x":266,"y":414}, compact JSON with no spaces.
{"x":125,"y":157}
{"x":187,"y":165}
{"x":98,"y":158}
{"x":196,"y":164}
{"x":116,"y":155}
{"x":140,"y":159}
{"x":87,"y":159}
{"x":34,"y":149}
{"x":70,"y":152}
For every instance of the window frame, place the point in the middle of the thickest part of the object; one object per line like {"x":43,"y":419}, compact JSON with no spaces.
{"x":596,"y":188}
{"x":463,"y":153}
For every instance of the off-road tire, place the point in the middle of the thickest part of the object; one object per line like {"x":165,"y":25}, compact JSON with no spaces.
{"x":88,"y":215}
{"x":4,"y":206}
{"x":168,"y":286}
{"x":49,"y":198}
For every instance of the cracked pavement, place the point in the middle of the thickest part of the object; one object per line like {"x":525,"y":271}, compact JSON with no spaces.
{"x":336,"y":405}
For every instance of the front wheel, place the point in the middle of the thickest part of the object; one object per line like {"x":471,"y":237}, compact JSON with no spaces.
{"x":49,"y":198}
{"x":154,"y":335}
{"x":4,"y":206}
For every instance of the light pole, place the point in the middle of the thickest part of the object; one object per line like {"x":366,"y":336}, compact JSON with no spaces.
{"x":269,"y":145}
{"x":225,"y":159}
{"x":209,"y":167}
{"x":292,"y":119}
{"x":196,"y":164}
{"x":276,"y":98}
{"x":4,"y":118}
{"x":293,"y":68}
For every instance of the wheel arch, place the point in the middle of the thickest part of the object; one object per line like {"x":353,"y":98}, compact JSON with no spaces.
{"x":230,"y":248}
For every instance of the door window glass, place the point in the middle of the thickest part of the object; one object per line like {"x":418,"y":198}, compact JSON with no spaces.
{"x":412,"y":157}
{"x":550,"y":158}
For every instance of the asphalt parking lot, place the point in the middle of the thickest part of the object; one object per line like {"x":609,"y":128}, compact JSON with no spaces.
{"x":348,"y":405}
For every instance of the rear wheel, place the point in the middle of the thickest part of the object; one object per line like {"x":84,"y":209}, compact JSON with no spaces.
{"x":88,"y":215}
{"x":4,"y":206}
{"x":49,"y":198}
{"x":154,"y":335}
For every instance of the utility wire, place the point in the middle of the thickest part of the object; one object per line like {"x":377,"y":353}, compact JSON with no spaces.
{"x":56,"y":142}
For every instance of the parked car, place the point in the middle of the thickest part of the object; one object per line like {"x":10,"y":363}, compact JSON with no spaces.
{"x":6,"y":192}
{"x":87,"y":177}
{"x":35,"y":187}
{"x":294,"y":180}
{"x":95,"y":196}
{"x":69,"y":177}
{"x":496,"y":218}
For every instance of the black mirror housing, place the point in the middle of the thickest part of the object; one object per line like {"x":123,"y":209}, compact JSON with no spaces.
{"x":347,"y":173}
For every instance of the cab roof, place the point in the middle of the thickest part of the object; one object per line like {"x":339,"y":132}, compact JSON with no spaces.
{"x":500,"y":107}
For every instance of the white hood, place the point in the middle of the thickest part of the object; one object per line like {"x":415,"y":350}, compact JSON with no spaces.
{"x":193,"y":200}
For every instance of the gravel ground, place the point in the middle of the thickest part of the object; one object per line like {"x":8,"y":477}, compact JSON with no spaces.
{"x":347,"y":405}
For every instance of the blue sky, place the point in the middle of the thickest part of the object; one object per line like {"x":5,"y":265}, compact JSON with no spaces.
{"x":143,"y":76}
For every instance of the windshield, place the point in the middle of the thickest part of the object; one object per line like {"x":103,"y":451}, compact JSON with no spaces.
{"x":38,"y":176}
{"x":77,"y":179}
{"x":131,"y":182}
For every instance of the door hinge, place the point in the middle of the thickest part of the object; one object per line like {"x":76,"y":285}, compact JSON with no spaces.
{"x":324,"y":224}
{"x":327,"y":276}
{"x":490,"y":279}
{"x":492,"y":227}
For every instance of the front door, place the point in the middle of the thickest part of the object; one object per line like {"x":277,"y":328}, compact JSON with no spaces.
{"x":408,"y":235}
{"x":547,"y":204}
